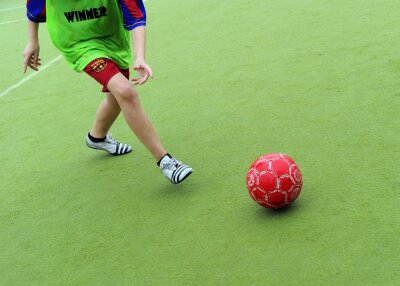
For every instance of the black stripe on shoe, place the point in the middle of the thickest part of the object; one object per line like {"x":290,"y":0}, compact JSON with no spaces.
{"x":178,"y":172}
{"x":174,"y":177}
{"x":187,"y":175}
{"x":127,"y":149}
{"x":117,"y":149}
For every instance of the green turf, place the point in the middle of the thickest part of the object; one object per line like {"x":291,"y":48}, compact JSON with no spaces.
{"x":315,"y":79}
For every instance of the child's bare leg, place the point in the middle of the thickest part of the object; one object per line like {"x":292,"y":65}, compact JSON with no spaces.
{"x":128,"y":100}
{"x":107,"y":113}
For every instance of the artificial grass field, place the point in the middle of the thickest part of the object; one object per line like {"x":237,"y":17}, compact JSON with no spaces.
{"x":318,"y":80}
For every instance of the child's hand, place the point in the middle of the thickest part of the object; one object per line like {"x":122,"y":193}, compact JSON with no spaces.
{"x":31,"y":57}
{"x":143,"y":70}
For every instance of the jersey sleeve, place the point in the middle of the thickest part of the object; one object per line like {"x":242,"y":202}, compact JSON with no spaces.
{"x":36,"y":10}
{"x":134,"y":13}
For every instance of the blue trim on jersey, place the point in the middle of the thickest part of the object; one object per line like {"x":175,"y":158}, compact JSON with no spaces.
{"x":35,"y":10}
{"x":130,"y":22}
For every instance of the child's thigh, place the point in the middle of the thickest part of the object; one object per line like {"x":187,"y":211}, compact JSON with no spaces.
{"x":102,"y":70}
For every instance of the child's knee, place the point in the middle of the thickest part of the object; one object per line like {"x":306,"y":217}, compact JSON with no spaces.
{"x":126,"y":93}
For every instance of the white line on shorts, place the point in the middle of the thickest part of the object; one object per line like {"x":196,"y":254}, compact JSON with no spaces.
{"x":25,"y":79}
{"x":10,"y":22}
{"x":14,"y":8}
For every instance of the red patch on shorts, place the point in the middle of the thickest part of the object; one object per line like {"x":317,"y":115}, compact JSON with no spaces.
{"x":102,"y":70}
{"x":98,"y":65}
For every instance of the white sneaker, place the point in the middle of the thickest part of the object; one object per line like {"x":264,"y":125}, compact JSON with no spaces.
{"x":174,"y":170}
{"x":110,"y":145}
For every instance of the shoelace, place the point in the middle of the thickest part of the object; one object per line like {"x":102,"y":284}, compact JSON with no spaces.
{"x":111,"y":140}
{"x":172,"y":165}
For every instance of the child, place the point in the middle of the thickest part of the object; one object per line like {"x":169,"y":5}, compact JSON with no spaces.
{"x":93,"y":36}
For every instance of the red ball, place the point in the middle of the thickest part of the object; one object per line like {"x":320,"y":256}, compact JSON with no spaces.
{"x":274,"y":181}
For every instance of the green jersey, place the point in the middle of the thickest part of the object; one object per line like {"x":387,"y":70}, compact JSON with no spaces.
{"x":84,"y":30}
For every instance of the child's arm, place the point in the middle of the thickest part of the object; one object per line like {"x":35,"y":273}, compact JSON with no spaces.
{"x":134,"y":14}
{"x":36,"y":13}
{"x":31,"y":52}
{"x":139,"y":42}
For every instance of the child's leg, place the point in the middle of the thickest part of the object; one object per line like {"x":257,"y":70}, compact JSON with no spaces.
{"x":107,"y":113}
{"x":128,"y":100}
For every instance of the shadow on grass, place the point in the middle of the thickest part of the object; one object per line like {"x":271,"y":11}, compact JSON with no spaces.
{"x":170,"y":189}
{"x":101,"y":156}
{"x":283,"y":212}
{"x":182,"y":190}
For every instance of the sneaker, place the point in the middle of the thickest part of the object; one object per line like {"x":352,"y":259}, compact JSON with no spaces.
{"x":174,"y":170}
{"x":110,"y":145}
